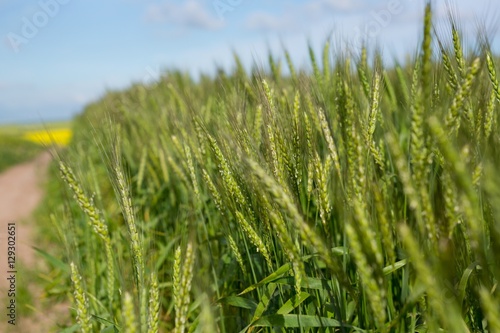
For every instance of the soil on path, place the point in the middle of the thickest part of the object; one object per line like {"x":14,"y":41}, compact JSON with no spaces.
{"x":20,"y":193}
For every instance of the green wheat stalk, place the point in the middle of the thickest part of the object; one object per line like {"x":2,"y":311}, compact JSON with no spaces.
{"x":96,"y":222}
{"x":82,"y":307}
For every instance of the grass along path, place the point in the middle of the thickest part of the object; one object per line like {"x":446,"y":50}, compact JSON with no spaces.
{"x":20,"y":193}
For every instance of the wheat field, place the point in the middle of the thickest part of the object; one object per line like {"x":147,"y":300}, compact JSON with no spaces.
{"x":351,"y":197}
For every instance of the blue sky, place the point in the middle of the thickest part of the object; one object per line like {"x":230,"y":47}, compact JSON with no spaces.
{"x":58,"y":55}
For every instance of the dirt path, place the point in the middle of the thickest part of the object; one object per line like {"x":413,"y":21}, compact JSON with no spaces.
{"x":20,"y":193}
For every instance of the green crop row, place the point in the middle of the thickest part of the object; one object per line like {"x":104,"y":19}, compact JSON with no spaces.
{"x":350,"y":199}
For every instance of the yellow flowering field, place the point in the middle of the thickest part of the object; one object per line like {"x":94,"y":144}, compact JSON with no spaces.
{"x":58,"y":136}
{"x":22,"y":142}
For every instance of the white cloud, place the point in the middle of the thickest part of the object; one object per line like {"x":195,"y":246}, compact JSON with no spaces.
{"x":302,"y":15}
{"x":189,"y":14}
{"x":266,"y":22}
{"x":299,"y":16}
